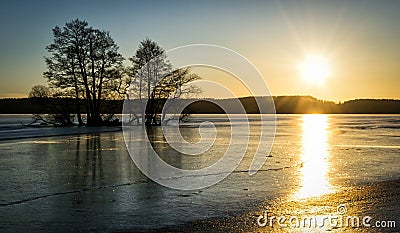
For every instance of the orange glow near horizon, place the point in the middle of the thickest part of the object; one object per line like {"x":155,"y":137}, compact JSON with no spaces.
{"x":315,"y":155}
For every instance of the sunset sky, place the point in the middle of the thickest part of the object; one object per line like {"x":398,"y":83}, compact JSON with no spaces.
{"x":359,"y":40}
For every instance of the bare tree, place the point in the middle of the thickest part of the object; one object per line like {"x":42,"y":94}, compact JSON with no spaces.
{"x":173,"y":86}
{"x":154,"y":79}
{"x":149,"y":65}
{"x":83,"y":62}
{"x":39,"y":91}
{"x":55,"y":103}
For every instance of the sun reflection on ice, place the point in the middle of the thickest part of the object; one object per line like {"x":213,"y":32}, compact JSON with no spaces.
{"x":315,"y":155}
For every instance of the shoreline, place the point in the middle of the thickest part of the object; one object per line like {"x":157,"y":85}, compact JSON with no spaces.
{"x":38,"y":132}
{"x":380,"y":201}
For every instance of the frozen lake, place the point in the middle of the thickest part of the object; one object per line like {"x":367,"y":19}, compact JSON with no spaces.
{"x":89,"y":182}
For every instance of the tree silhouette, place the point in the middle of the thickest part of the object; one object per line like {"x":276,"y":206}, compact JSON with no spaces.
{"x":84,"y":64}
{"x":173,"y":85}
{"x":39,"y":91}
{"x":54,"y":103}
{"x":155,"y":80}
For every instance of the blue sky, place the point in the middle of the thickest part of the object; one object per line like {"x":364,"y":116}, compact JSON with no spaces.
{"x":359,"y":37}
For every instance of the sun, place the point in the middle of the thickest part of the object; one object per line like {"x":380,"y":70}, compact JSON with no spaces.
{"x":314,"y":69}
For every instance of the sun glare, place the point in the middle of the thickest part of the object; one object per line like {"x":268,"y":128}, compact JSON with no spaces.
{"x":314,"y":69}
{"x":315,"y":157}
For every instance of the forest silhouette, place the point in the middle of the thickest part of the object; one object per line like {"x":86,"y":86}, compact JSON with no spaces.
{"x":283,"y":105}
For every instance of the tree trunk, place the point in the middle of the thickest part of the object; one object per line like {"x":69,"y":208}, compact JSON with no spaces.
{"x":78,"y":112}
{"x":77,"y":100}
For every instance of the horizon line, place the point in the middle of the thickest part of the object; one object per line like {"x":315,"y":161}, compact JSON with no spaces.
{"x":242,"y":97}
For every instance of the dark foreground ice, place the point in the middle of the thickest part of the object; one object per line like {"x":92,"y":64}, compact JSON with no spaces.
{"x":89,"y":182}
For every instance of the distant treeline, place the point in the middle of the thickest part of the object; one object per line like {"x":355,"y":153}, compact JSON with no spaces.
{"x":283,"y":105}
{"x":306,"y":104}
